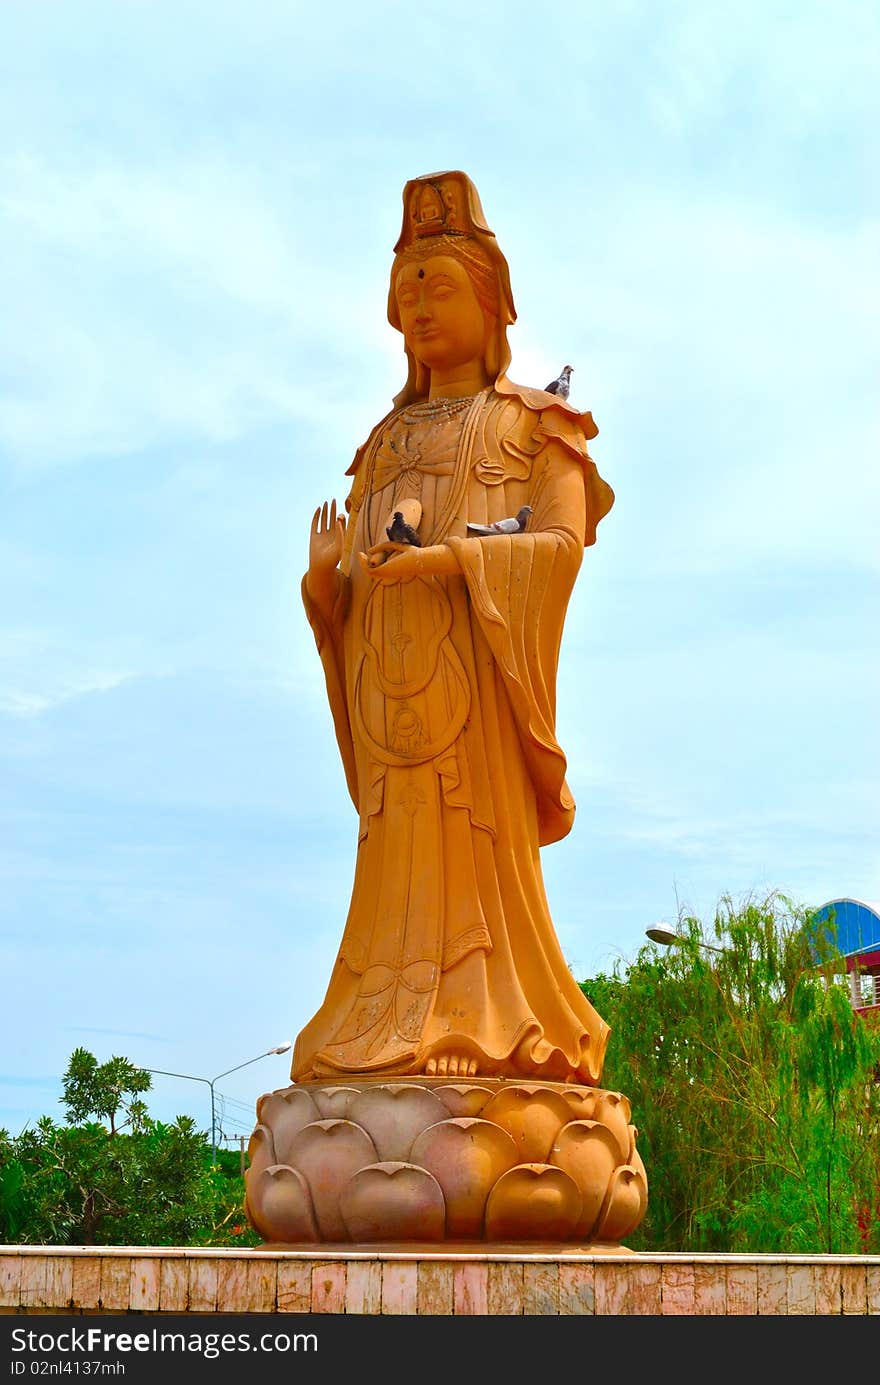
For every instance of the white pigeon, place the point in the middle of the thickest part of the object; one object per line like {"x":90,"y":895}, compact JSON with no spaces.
{"x":515,"y":525}
{"x":562,"y":384}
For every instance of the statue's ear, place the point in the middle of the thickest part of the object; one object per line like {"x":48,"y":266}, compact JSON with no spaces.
{"x":492,"y":358}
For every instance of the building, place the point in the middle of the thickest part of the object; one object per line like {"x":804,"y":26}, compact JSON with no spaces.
{"x":855,"y":924}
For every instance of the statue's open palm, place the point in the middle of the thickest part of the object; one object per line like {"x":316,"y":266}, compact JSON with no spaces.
{"x":326,"y":539}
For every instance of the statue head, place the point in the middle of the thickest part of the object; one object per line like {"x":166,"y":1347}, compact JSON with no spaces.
{"x":444,"y":221}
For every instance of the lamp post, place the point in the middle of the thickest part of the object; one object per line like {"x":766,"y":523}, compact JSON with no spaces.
{"x":209,"y":1082}
{"x":664,"y":935}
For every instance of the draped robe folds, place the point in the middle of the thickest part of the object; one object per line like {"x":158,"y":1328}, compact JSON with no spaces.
{"x":442,"y":690}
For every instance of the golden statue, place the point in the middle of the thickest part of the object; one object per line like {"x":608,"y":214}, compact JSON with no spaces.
{"x":441,"y":669}
{"x":439,"y":636}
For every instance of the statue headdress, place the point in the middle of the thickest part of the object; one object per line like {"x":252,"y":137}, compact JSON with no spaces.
{"x":442,"y":215}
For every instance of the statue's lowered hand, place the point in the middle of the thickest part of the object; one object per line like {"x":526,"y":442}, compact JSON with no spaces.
{"x":401,"y":562}
{"x":379,"y":554}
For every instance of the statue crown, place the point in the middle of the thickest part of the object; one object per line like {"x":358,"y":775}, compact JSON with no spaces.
{"x":441,"y":204}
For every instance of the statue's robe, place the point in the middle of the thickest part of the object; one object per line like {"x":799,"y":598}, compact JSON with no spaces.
{"x":443,"y":695}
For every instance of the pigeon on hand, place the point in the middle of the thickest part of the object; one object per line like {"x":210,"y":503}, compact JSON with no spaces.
{"x":515,"y":525}
{"x":399,"y":531}
{"x":562,"y":384}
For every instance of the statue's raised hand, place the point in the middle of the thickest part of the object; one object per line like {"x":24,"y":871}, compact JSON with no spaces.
{"x":326,"y":539}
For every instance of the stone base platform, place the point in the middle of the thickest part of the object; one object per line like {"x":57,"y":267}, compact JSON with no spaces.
{"x":440,"y":1281}
{"x":435,"y":1159}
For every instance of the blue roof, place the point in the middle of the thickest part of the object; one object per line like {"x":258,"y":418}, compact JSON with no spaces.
{"x":856,"y":923}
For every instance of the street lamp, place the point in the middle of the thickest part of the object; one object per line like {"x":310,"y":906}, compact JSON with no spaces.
{"x":664,"y":935}
{"x":209,"y":1082}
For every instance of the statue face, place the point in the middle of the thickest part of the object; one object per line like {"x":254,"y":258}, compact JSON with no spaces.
{"x":440,"y":316}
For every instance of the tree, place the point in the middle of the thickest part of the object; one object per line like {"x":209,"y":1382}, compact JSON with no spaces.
{"x":752,"y":1084}
{"x":91,"y":1089}
{"x":134,"y":1181}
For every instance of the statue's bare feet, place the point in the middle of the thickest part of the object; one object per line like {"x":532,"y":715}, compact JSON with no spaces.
{"x":451,"y":1065}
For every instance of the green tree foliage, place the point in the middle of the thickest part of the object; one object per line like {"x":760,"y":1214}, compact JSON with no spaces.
{"x":131,"y":1181}
{"x":753,"y":1086}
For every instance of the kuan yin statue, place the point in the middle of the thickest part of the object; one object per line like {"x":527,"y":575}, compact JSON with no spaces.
{"x":449,"y":1081}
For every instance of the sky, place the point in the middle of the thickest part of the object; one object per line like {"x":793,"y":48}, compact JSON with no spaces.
{"x":198,"y":204}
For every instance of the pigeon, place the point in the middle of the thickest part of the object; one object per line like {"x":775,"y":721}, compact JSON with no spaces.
{"x":562,"y":384}
{"x":399,"y":531}
{"x":515,"y":525}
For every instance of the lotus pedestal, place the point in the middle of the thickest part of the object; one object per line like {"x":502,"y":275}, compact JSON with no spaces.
{"x":427,"y":1160}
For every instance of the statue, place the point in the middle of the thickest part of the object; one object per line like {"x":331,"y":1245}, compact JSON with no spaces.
{"x":438,"y":625}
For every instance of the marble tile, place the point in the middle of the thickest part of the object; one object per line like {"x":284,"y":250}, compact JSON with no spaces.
{"x":204,"y":1275}
{"x":400,"y":1286}
{"x":505,"y":1289}
{"x":801,"y":1290}
{"x":363,"y":1287}
{"x":46,"y":1282}
{"x":828,"y":1289}
{"x":772,"y":1290}
{"x":10,"y":1281}
{"x":144,"y":1283}
{"x":294,"y":1291}
{"x":577,"y":1290}
{"x":470,"y":1289}
{"x":32,"y":1291}
{"x":232,"y":1286}
{"x":677,"y":1290}
{"x":115,"y":1283}
{"x":540,"y":1288}
{"x":854,"y":1288}
{"x":710,"y":1290}
{"x":262,"y":1285}
{"x":742,"y":1290}
{"x":174,"y":1285}
{"x":643,"y":1290}
{"x":328,"y":1287}
{"x":86,"y":1291}
{"x":435,"y":1288}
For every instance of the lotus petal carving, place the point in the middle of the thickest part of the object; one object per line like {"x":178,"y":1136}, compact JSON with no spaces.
{"x":467,"y":1156}
{"x":278,"y":1201}
{"x":328,"y":1154}
{"x":393,"y":1201}
{"x":394,"y":1114}
{"x":261,"y":1151}
{"x":626,"y":1204}
{"x":582,"y":1103}
{"x":588,"y":1153}
{"x":532,"y":1115}
{"x":286,"y":1112}
{"x":464,"y":1100}
{"x":333,"y":1102}
{"x":533,"y":1202}
{"x":613,"y":1109}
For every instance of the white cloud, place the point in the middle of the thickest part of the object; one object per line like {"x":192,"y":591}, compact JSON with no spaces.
{"x":163,"y":301}
{"x":42,"y":670}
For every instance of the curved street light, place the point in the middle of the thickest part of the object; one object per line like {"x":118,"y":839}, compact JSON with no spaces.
{"x":209,"y":1082}
{"x":664,"y":935}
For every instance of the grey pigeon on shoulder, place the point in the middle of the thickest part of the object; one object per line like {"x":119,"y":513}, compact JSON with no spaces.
{"x":399,"y":531}
{"x":515,"y":525}
{"x":562,"y":384}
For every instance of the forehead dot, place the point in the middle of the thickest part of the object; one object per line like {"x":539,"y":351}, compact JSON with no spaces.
{"x":421,"y":274}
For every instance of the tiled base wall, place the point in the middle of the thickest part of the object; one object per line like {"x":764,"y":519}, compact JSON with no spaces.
{"x":37,"y":1279}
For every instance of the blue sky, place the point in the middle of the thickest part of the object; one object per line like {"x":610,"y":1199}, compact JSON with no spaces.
{"x":198,"y":204}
